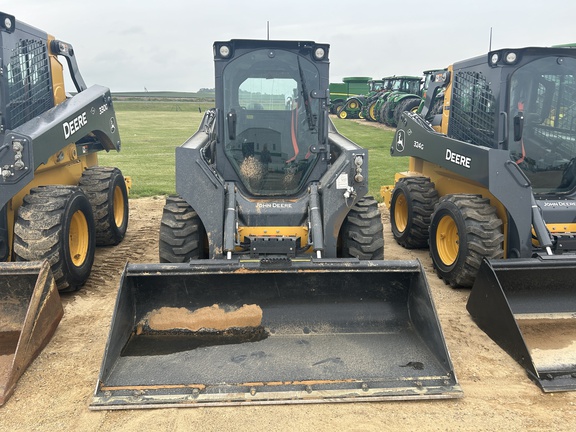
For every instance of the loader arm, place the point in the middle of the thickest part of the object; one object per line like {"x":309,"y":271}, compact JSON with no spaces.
{"x":491,"y":168}
{"x":87,"y":119}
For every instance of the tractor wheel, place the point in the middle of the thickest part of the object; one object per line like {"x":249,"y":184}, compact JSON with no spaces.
{"x":408,"y":104}
{"x":106,"y":190}
{"x":335,"y":108}
{"x":411,"y":206}
{"x":182,"y":235}
{"x":388,"y":109}
{"x":342,"y":114}
{"x":372,"y":112}
{"x":463,"y":230}
{"x":55,"y":223}
{"x":381,"y":113}
{"x":361,"y":234}
{"x":387,"y":114}
{"x":353,"y":104}
{"x":437,"y":106}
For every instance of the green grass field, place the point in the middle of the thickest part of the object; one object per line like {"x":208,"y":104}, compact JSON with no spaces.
{"x":150,"y":132}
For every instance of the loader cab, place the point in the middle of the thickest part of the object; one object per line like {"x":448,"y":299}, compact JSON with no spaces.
{"x":273,"y":105}
{"x":531,"y":112}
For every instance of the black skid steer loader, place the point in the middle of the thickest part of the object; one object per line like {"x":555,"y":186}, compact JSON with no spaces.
{"x":56,"y":203}
{"x":491,"y":191}
{"x":272,"y":286}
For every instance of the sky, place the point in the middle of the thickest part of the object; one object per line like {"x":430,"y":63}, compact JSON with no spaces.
{"x":166,"y":45}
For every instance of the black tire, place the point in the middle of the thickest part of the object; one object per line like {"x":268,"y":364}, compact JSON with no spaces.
{"x":387,"y":114}
{"x":463,"y":230}
{"x":182,"y":234}
{"x":55,"y":223}
{"x":411,"y":207}
{"x":106,"y":190}
{"x":408,"y":104}
{"x":336,"y":107}
{"x":437,"y":106}
{"x":361,"y":233}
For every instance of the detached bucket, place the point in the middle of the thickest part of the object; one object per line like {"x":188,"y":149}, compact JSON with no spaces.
{"x":528,"y":307}
{"x":232,"y":333}
{"x":30,"y":311}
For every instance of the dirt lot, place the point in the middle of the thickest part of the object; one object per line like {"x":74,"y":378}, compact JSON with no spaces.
{"x":55,"y":391}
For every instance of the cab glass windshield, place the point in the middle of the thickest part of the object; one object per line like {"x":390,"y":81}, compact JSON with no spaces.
{"x":272,"y":120}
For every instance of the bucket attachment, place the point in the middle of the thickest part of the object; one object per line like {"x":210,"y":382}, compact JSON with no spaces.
{"x":224,"y":332}
{"x":30,"y":311}
{"x":528,"y":307}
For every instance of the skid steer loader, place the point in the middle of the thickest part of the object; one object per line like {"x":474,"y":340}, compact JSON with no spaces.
{"x":56,"y":203}
{"x":272,"y":286}
{"x":491,"y":190}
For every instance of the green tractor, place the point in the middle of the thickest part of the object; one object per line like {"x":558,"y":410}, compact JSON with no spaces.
{"x":409,"y":103}
{"x":377,"y":87}
{"x":406,"y":95}
{"x":375,"y":107}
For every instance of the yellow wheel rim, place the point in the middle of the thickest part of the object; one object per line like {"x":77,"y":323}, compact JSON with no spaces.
{"x":78,"y":238}
{"x":353,"y":105}
{"x":372,"y":112}
{"x":401,"y":213}
{"x":447,"y":240}
{"x":118,"y":201}
{"x":343,"y":114}
{"x":361,"y":115}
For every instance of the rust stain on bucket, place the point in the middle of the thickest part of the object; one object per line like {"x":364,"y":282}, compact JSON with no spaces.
{"x":213,"y":317}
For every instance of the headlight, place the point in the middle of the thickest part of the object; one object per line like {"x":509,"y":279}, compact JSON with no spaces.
{"x":494,"y":58}
{"x":224,"y":51}
{"x":7,"y":22}
{"x":319,"y":53}
{"x":511,"y":57}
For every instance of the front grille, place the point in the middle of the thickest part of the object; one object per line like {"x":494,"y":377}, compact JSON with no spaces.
{"x":472,"y":110}
{"x":29,"y":85}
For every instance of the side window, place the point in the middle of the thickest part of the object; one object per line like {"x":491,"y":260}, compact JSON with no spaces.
{"x":29,"y":86}
{"x":414,"y":87}
{"x":472,"y":112}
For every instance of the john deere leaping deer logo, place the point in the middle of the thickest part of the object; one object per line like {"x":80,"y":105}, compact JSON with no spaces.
{"x":400,"y":138}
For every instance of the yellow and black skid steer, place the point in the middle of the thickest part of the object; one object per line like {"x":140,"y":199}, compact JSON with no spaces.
{"x":272,"y":287}
{"x":56,"y":203}
{"x":491,"y":191}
